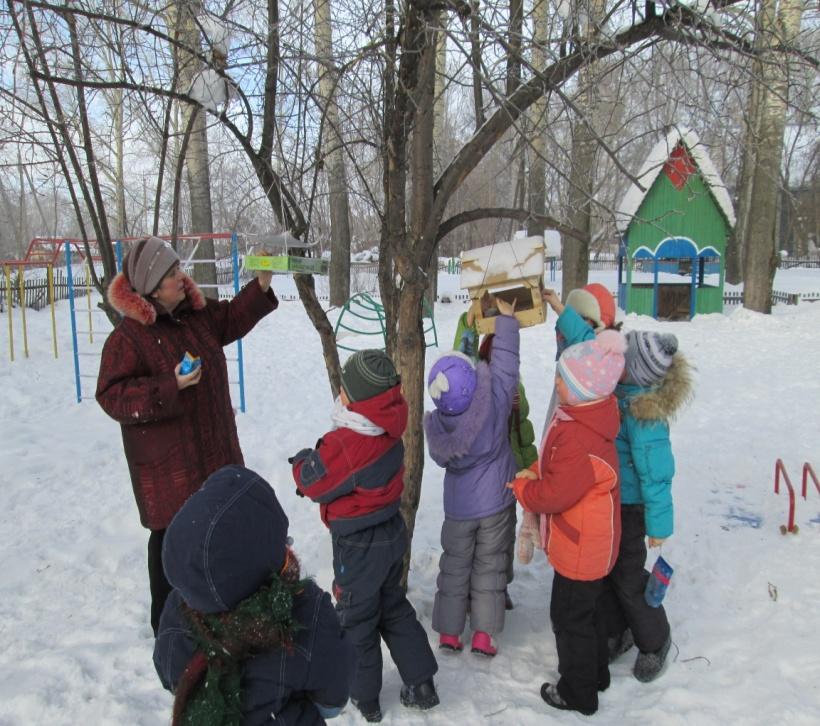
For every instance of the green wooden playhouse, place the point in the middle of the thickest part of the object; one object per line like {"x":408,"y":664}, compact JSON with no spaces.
{"x":673,"y":232}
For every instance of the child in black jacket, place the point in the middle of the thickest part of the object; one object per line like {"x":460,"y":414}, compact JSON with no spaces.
{"x":242,"y":638}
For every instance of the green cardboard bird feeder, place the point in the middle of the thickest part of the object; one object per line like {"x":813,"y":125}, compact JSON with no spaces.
{"x":281,"y":261}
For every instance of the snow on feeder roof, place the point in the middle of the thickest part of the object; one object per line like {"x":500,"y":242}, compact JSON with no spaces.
{"x":511,"y":270}
{"x":514,"y":259}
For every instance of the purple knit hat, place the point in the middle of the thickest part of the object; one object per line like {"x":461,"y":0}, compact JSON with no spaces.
{"x":592,"y":369}
{"x":452,"y":383}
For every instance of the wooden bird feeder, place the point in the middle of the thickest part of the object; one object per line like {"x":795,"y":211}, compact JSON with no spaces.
{"x":281,"y":261}
{"x":512,"y":271}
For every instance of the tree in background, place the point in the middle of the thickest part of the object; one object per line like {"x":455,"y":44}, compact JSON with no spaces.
{"x":333,"y":155}
{"x":777,"y":25}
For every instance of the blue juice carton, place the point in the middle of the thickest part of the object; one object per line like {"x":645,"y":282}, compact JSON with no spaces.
{"x":658,"y":582}
{"x":189,"y":364}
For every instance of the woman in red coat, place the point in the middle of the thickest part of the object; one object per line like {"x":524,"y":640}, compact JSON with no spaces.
{"x":176,"y":429}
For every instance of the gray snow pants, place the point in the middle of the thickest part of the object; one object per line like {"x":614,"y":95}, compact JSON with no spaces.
{"x":473,"y":568}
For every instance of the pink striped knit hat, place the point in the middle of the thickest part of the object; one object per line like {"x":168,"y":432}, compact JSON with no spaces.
{"x":592,"y":369}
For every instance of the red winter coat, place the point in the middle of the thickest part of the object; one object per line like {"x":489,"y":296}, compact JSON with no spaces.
{"x":357,"y":479}
{"x":174,"y":439}
{"x":578,"y":488}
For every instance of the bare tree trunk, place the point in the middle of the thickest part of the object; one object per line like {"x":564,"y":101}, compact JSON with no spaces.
{"x":514,"y":41}
{"x":23,"y":234}
{"x":334,"y":155}
{"x":410,"y":345}
{"x":537,"y":124}
{"x":410,"y":363}
{"x":394,"y":179}
{"x":775,"y":26}
{"x":475,"y":63}
{"x":196,"y":158}
{"x":575,"y":254}
{"x":439,"y":137}
{"x":14,"y":247}
{"x":735,"y":250}
{"x":307,"y":294}
{"x":121,"y":228}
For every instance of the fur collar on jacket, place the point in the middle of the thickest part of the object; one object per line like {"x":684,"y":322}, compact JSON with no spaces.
{"x":664,"y":402}
{"x":126,"y":301}
{"x":450,"y":437}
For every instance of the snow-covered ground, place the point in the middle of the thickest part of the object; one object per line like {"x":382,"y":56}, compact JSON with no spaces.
{"x":75,"y":643}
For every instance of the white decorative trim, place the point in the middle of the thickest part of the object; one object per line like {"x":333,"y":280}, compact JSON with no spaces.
{"x":698,"y":250}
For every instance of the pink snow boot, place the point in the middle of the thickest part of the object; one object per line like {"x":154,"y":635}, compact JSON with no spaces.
{"x":451,"y":643}
{"x":483,"y":644}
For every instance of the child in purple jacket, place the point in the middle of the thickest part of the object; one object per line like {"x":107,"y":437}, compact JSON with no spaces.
{"x":467,"y":434}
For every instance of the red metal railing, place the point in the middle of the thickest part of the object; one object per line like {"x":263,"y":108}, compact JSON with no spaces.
{"x":809,"y":472}
{"x":778,"y":469}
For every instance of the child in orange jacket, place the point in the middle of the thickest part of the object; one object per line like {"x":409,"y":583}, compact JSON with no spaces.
{"x":588,"y":311}
{"x":575,"y":481}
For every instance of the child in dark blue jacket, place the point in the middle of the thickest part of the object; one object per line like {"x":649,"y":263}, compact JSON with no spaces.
{"x":242,"y":639}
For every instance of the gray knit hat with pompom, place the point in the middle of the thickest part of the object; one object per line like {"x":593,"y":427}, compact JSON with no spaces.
{"x":648,"y":356}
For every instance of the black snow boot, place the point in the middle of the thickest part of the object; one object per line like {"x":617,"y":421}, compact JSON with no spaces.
{"x":370,"y":710}
{"x":423,"y":696}
{"x":508,"y":603}
{"x":619,"y":644}
{"x":549,"y":692}
{"x":648,"y":666}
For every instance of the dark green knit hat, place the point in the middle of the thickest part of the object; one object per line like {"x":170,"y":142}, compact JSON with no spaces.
{"x":368,"y":373}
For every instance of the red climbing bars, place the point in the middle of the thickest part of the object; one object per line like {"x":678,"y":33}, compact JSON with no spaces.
{"x":808,"y":471}
{"x":778,"y":469}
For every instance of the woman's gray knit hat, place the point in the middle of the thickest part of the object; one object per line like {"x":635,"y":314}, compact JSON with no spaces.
{"x":648,"y":356}
{"x":368,"y":373}
{"x":147,"y":262}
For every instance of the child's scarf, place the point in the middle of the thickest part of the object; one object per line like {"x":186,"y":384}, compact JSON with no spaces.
{"x":209,"y":692}
{"x":344,"y":418}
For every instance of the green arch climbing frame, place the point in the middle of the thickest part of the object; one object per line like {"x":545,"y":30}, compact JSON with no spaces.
{"x":362,"y":314}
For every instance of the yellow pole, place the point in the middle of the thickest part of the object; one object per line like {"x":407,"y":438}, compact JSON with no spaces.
{"x":9,"y":301}
{"x":21,"y":279}
{"x":50,"y":281}
{"x":88,"y":297}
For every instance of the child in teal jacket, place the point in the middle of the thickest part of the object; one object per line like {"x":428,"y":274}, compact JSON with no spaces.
{"x":656,"y":383}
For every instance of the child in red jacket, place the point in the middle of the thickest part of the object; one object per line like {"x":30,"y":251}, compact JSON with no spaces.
{"x":575,"y":481}
{"x":356,"y":474}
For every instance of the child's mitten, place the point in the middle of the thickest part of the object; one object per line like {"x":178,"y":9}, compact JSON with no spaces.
{"x":528,"y":537}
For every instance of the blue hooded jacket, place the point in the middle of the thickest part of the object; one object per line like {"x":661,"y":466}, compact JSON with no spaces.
{"x":222,"y":545}
{"x":644,"y":448}
{"x":571,"y":328}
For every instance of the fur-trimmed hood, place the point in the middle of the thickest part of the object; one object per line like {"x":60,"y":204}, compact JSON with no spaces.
{"x":126,"y":301}
{"x":664,"y":401}
{"x":450,"y":437}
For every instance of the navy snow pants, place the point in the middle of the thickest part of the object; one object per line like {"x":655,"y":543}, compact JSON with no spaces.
{"x":372,"y":605}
